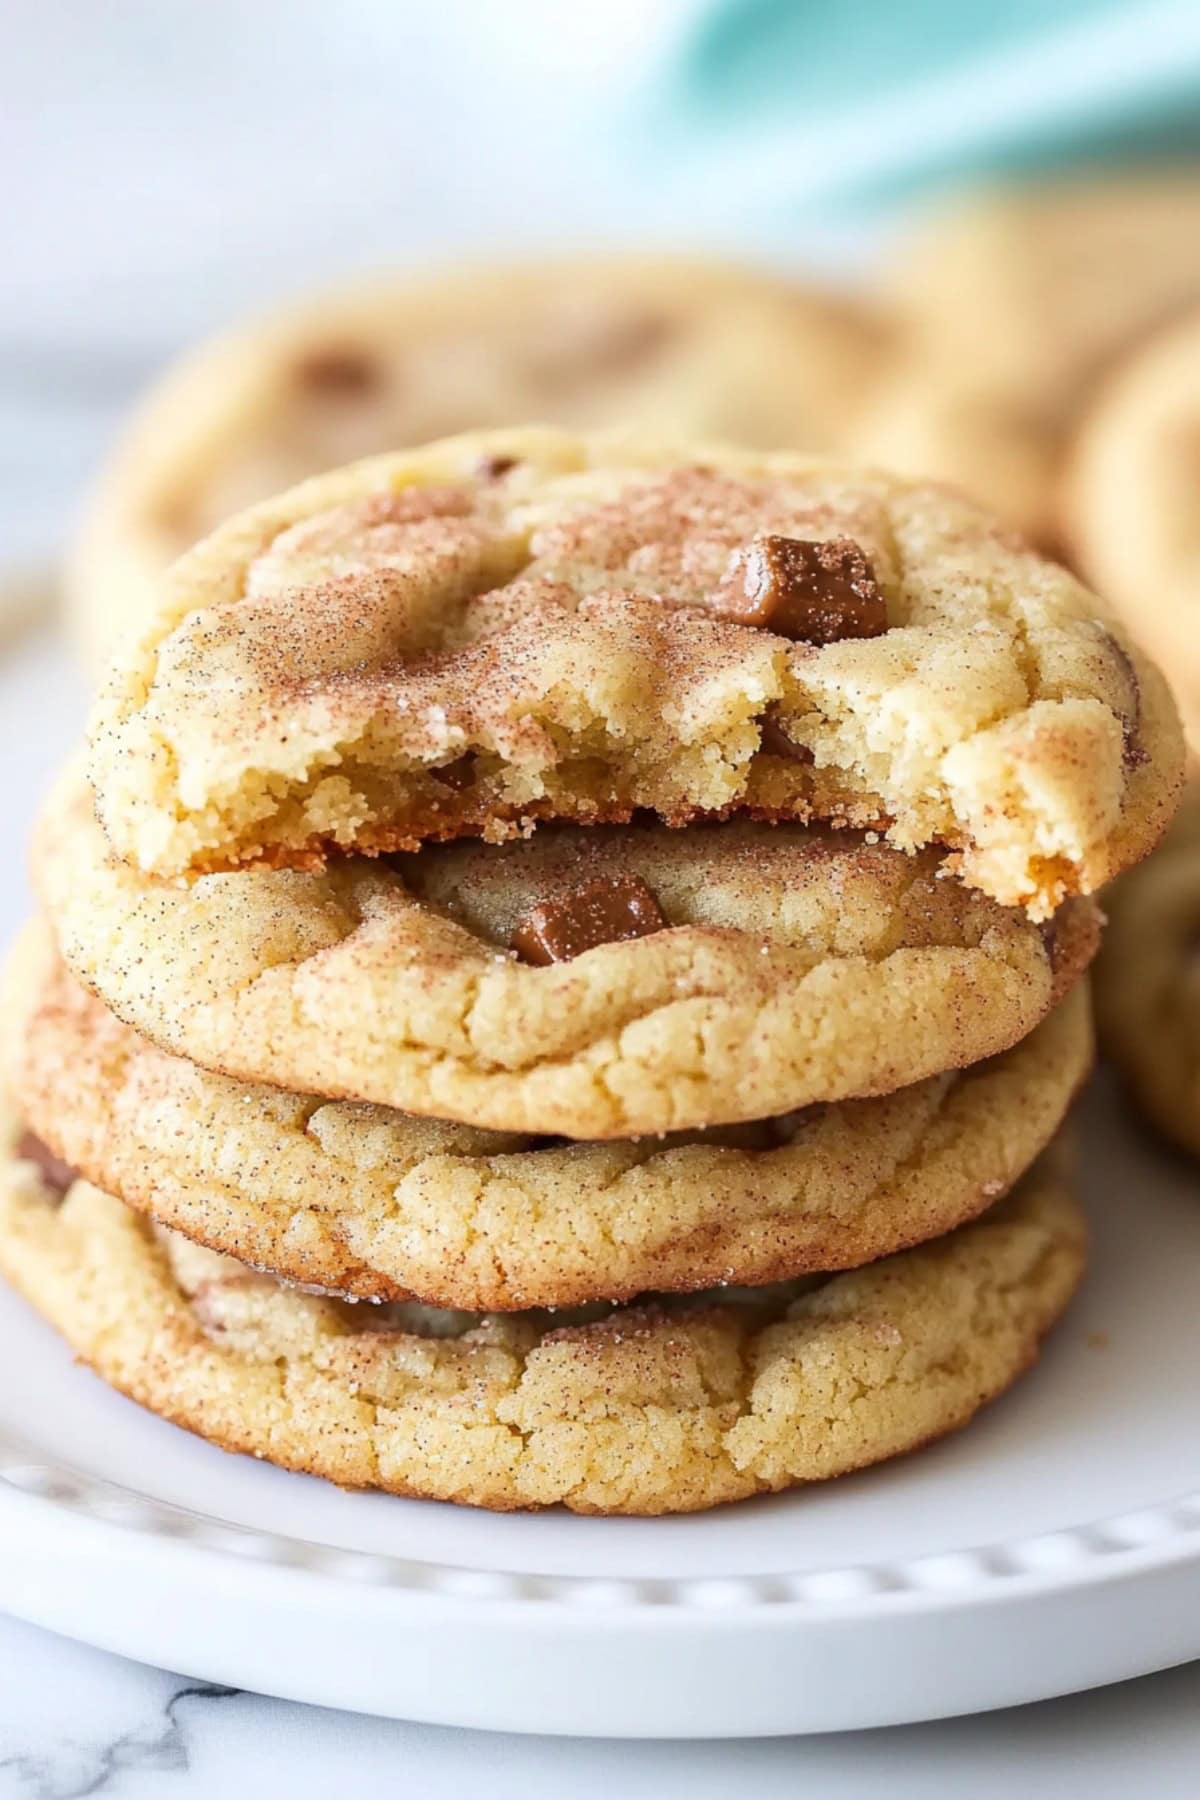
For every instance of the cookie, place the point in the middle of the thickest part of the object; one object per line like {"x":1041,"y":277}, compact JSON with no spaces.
{"x":382,"y":1205}
{"x":667,"y":344}
{"x":1130,"y":503}
{"x":1013,"y":303}
{"x":1148,"y":981}
{"x":930,"y":422}
{"x":747,"y":970}
{"x":1035,"y":289}
{"x":522,"y":626}
{"x":668,"y":1406}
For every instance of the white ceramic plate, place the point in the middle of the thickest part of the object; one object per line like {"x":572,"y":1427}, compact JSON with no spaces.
{"x":1055,"y":1545}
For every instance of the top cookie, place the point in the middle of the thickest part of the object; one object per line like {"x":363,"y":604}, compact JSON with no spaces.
{"x":668,"y":344}
{"x":520,"y":626}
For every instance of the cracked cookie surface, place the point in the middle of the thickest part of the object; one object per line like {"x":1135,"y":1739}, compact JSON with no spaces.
{"x":420,"y":648}
{"x":1148,"y":980}
{"x":669,"y":1406}
{"x":383,"y":1205}
{"x":795,"y":966}
{"x":667,"y":344}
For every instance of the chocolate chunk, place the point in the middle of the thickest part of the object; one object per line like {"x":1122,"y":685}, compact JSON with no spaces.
{"x":814,"y":592}
{"x":774,"y":740}
{"x":492,"y":468}
{"x":338,"y":373}
{"x":56,"y":1174}
{"x":600,"y":912}
{"x":1135,"y":754}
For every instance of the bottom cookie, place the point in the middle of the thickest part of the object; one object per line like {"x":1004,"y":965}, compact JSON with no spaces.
{"x":667,"y":1406}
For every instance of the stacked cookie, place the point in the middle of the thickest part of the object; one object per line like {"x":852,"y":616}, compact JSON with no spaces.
{"x":619,"y":909}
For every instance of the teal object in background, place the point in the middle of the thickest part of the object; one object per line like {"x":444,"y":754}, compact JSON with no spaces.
{"x":863,"y":102}
{"x":761,"y":55}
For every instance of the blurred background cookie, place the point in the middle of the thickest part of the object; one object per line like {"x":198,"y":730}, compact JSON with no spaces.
{"x":683,"y":347}
{"x":1148,"y":981}
{"x":1013,"y":302}
{"x":1130,"y":503}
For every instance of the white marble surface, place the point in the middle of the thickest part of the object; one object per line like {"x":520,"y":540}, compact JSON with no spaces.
{"x":75,"y":1722}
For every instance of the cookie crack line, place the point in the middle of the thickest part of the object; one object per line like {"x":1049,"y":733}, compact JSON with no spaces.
{"x":249,"y":723}
{"x":587,"y":1046}
{"x":381,"y":1206}
{"x":387,"y":983}
{"x":649,"y":1409}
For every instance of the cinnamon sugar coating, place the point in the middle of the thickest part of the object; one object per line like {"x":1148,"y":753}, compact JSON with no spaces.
{"x":669,"y":1406}
{"x":382,"y":1205}
{"x":798,"y":966}
{"x":554,"y":640}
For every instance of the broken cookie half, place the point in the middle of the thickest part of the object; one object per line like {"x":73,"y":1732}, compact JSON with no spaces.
{"x":420,"y":648}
